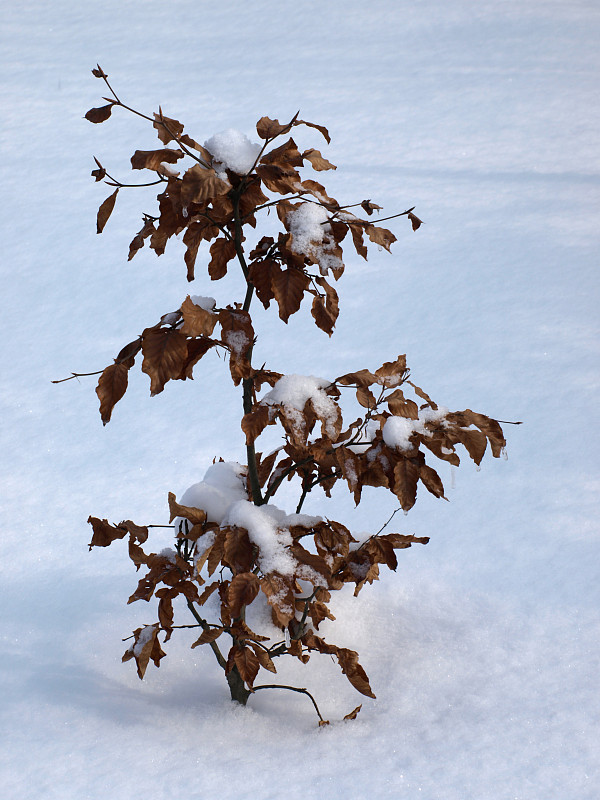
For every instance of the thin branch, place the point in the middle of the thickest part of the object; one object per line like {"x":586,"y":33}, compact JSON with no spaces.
{"x":385,"y":524}
{"x":118,"y":102}
{"x":293,"y":689}
{"x":205,"y":626}
{"x":79,"y":375}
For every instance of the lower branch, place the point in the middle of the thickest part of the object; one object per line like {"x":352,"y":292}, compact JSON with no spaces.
{"x":294,"y":689}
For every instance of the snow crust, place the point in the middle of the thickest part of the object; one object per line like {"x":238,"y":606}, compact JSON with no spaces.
{"x":266,"y":528}
{"x":232,"y":150}
{"x":221,"y":494}
{"x":207,"y":303}
{"x":144,"y":637}
{"x":397,"y":431}
{"x":308,"y":224}
{"x":294,"y":391}
{"x":222,"y":486}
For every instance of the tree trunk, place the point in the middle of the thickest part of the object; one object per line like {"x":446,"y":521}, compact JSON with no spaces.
{"x":239,"y":693}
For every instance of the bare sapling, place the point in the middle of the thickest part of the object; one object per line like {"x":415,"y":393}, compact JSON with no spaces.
{"x":238,"y":561}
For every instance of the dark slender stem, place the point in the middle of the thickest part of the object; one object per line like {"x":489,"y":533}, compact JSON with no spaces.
{"x":205,"y":626}
{"x":305,"y":492}
{"x":292,"y":689}
{"x":162,"y":122}
{"x":307,"y":603}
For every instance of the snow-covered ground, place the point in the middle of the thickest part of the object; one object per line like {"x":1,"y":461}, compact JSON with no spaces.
{"x":483,"y":647}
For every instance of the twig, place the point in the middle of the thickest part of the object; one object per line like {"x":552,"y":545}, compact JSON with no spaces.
{"x":293,"y":689}
{"x":205,"y":626}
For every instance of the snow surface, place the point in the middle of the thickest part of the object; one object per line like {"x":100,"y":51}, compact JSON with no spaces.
{"x":483,"y":647}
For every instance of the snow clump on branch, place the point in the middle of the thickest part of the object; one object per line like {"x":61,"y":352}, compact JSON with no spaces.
{"x":232,"y":150}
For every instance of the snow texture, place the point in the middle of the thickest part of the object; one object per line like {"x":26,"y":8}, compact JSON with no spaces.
{"x":309,"y":228}
{"x":293,"y":392}
{"x":207,"y":303}
{"x":232,"y":150}
{"x":483,"y":647}
{"x":397,"y":431}
{"x":222,"y":486}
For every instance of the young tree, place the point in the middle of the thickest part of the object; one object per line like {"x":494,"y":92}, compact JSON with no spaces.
{"x":234,"y":549}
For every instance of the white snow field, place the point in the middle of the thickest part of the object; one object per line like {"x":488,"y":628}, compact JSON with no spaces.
{"x":483,"y":647}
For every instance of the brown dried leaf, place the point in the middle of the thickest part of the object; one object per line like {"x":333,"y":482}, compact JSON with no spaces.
{"x":189,"y":142}
{"x":270,"y":128}
{"x":475,"y":442}
{"x":320,"y":128}
{"x":247,"y":664}
{"x":197,"y":321}
{"x":165,"y":354}
{"x":264,"y":658}
{"x":316,"y":159}
{"x":210,"y":589}
{"x":200,"y":184}
{"x":196,"y":348}
{"x":415,"y":221}
{"x":362,"y":377}
{"x":139,"y":239}
{"x":401,"y":541}
{"x":406,"y":475}
{"x":289,"y":286}
{"x":280,"y":597}
{"x":242,"y":590}
{"x":489,"y":426}
{"x":238,"y":550}
{"x":380,"y":236}
{"x":315,"y":562}
{"x":365,"y":397}
{"x":112,"y":385}
{"x":161,"y":123}
{"x":221,"y":251}
{"x":392,"y":373}
{"x":152,"y":159}
{"x":401,"y":407}
{"x":101,"y":114}
{"x":261,"y":275}
{"x":105,"y":211}
{"x":197,"y":231}
{"x":353,"y":714}
{"x":238,"y":336}
{"x":254,"y":423}
{"x":423,"y":395}
{"x":208,"y":636}
{"x":431,"y":480}
{"x":357,"y":238}
{"x":195,"y":515}
{"x":369,"y":207}
{"x":151,"y":649}
{"x":104,"y":533}
{"x":215,"y":553}
{"x":278,"y":179}
{"x":252,"y":197}
{"x":323,"y":318}
{"x":348,"y":661}
{"x":285,"y":156}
